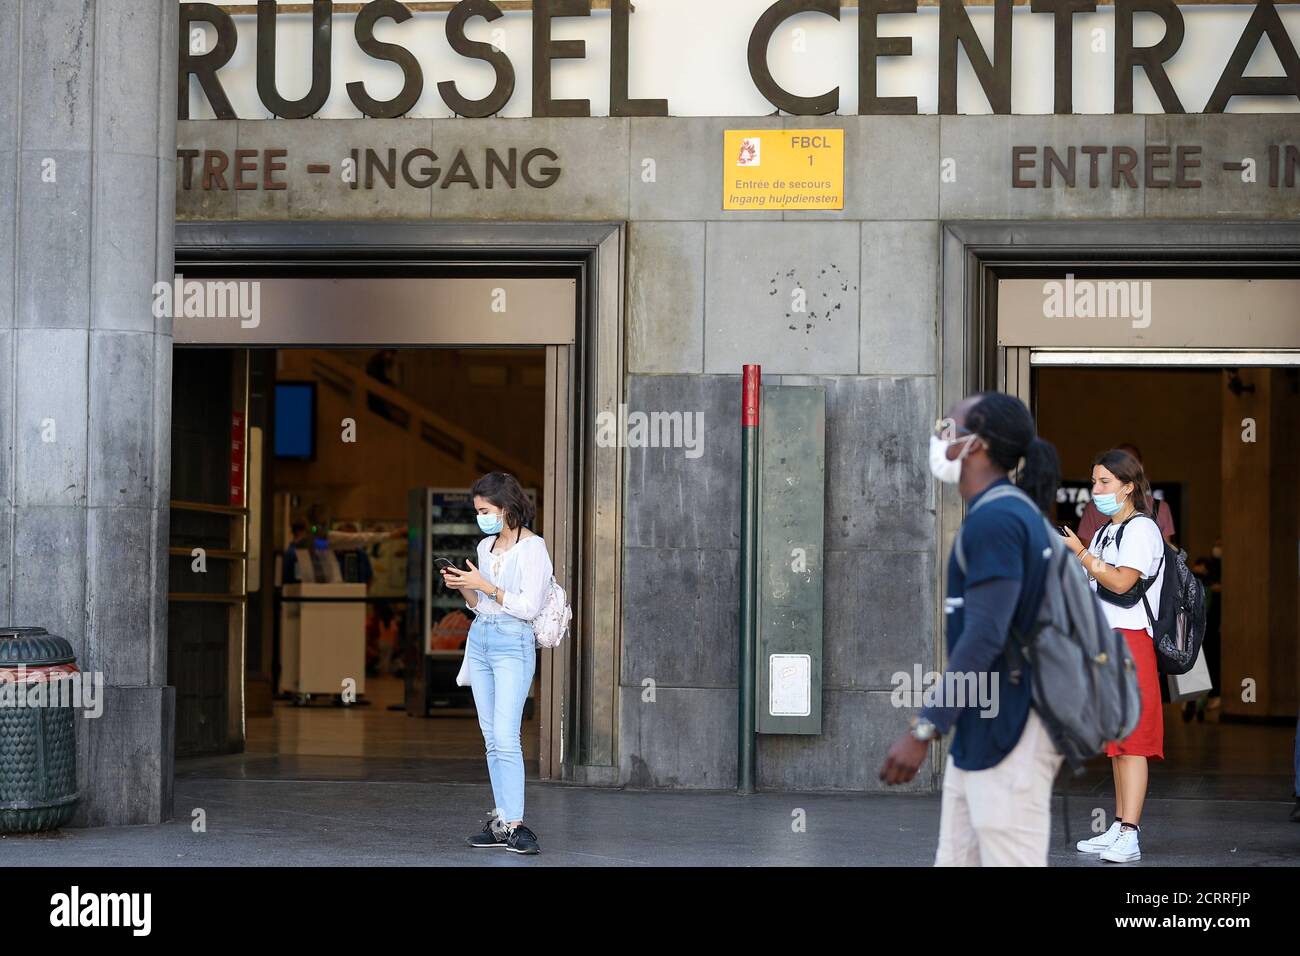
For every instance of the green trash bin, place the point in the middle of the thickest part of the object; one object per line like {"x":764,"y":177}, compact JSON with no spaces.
{"x":38,"y":744}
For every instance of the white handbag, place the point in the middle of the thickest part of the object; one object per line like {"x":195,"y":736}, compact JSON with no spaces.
{"x":549,"y":626}
{"x":552,"y":621}
{"x":1195,"y":683}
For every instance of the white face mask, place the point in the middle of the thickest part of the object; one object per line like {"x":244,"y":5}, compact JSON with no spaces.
{"x":947,"y":470}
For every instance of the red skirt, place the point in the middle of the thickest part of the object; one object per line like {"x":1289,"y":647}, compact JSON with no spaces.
{"x":1148,"y":737}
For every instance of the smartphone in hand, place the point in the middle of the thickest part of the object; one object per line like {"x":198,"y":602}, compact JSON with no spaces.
{"x":443,"y":565}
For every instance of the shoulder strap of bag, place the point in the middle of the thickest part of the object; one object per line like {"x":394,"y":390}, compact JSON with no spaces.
{"x":1119,"y":535}
{"x":1001,"y":491}
{"x":1013,"y":648}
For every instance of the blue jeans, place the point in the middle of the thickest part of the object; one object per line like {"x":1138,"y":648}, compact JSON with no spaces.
{"x":502,"y":653}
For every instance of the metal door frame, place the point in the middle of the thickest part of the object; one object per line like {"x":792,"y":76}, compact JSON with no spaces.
{"x":583,"y":493}
{"x":974,"y":255}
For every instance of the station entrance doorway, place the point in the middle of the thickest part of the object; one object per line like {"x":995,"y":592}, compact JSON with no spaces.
{"x":338,"y":405}
{"x":1200,"y":378}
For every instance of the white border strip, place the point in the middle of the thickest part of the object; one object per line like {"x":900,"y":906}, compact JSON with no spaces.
{"x":1233,"y":359}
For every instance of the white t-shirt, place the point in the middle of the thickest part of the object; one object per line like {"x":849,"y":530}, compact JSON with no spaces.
{"x":524,"y":572}
{"x":1142,"y":549}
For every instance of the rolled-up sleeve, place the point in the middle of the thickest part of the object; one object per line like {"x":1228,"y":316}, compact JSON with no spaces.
{"x":535,"y":573}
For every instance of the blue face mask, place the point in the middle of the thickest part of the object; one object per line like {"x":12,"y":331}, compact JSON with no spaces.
{"x":490,"y":524}
{"x":1106,"y":504}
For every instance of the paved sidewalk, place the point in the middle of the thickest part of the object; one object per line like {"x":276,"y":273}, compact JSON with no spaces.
{"x":332,"y":813}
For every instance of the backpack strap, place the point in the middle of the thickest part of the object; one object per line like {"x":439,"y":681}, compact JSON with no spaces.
{"x":1001,"y":491}
{"x":1013,"y":649}
{"x":1119,"y":535}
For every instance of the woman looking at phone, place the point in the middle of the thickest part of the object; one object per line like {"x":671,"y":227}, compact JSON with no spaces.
{"x":505,"y":591}
{"x":1124,"y":561}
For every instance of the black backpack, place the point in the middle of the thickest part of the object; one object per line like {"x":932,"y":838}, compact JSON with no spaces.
{"x":1083,"y":680}
{"x":1179,"y":628}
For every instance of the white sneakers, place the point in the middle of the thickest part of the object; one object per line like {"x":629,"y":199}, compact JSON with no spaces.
{"x":1116,"y":845}
{"x":1124,"y":849}
{"x":1100,"y":842}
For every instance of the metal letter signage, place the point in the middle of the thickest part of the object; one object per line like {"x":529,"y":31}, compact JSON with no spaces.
{"x":956,"y":34}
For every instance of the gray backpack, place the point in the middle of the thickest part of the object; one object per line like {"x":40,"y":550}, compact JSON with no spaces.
{"x":1084,"y":681}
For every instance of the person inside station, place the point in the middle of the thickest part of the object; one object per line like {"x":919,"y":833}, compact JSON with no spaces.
{"x":1092,"y":519}
{"x":310,"y":556}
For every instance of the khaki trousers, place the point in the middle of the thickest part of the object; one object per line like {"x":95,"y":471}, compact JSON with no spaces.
{"x":1001,"y":816}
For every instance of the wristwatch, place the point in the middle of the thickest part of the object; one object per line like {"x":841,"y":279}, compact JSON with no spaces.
{"x":923,"y":729}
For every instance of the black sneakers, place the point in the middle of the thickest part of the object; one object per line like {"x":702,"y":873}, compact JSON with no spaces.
{"x":493,"y":833}
{"x":522,"y":840}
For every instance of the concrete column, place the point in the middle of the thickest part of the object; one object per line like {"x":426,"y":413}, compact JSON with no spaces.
{"x":87,"y":179}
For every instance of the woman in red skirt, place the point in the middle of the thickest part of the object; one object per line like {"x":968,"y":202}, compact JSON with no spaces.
{"x":1124,"y":561}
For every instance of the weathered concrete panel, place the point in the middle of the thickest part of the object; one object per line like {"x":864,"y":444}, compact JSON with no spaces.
{"x":880,"y":494}
{"x":1228,"y":138}
{"x":126,"y":121}
{"x":123,"y":262}
{"x":981,"y":146}
{"x":681,"y":617}
{"x":119,"y":569}
{"x":10,"y":121}
{"x":900,"y":298}
{"x":857,"y":730}
{"x":125,"y":768}
{"x":191,"y":200}
{"x":673,"y":501}
{"x":326,"y":195}
{"x":783,"y":295}
{"x":665,"y":297}
{"x":685,"y":738}
{"x":6,"y":560}
{"x":121,"y":418}
{"x":590,"y":160}
{"x":49,"y":572}
{"x":50,"y":425}
{"x":891,"y":166}
{"x":880,"y":611}
{"x":8,"y":397}
{"x":164,"y":243}
{"x":8,"y":247}
{"x":684,"y":155}
{"x":53,"y":239}
{"x":58,"y":64}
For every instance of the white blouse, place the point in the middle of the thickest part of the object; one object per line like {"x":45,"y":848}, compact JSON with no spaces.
{"x":1143,"y":550}
{"x":524,"y":573}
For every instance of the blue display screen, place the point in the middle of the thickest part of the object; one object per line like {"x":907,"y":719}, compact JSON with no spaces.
{"x":295,"y":420}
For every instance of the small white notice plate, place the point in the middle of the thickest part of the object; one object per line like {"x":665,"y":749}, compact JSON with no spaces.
{"x":789,"y":685}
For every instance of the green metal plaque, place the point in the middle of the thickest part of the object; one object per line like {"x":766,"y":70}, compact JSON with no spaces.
{"x":791,"y":532}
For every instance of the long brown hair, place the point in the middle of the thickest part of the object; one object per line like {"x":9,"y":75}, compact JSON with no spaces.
{"x":1128,"y":469}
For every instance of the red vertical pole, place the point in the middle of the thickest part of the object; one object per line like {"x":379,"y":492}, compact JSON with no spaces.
{"x":751,"y":392}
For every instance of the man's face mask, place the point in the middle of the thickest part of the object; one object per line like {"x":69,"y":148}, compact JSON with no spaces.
{"x":946,"y":433}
